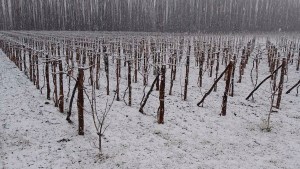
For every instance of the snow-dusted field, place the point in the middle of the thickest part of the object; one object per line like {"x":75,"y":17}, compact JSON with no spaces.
{"x":35,"y":135}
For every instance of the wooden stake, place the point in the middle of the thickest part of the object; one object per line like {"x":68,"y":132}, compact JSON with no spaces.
{"x":161,"y":109}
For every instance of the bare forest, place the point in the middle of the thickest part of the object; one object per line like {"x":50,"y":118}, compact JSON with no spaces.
{"x":151,"y":15}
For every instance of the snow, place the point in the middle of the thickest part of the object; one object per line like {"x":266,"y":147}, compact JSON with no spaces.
{"x":35,"y":135}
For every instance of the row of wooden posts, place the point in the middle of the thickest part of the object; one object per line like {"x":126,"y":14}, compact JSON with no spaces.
{"x":49,"y":54}
{"x":14,"y":50}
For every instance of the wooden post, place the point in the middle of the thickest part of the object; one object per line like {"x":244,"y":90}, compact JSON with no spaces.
{"x":91,"y":65}
{"x":80,"y":101}
{"x":241,"y":70}
{"x":47,"y":77}
{"x":275,"y":74}
{"x":232,"y":76}
{"x":20,"y":59}
{"x":24,"y":60}
{"x":224,"y":103}
{"x":212,"y":62}
{"x":135,"y":66}
{"x":37,"y":72}
{"x":283,"y":69}
{"x":145,"y":73}
{"x":72,"y":62}
{"x":161,"y":109}
{"x":33,"y":68}
{"x":30,"y":65}
{"x":186,"y":80}
{"x":172,"y":74}
{"x":98,"y":71}
{"x":118,"y":78}
{"x":54,"y":76}
{"x":217,"y":70}
{"x":107,"y":72}
{"x":61,"y":88}
{"x":201,"y":68}
{"x":298,"y":63}
{"x":129,"y":83}
{"x":175,"y":67}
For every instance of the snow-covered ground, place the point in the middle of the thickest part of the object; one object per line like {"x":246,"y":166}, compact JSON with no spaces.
{"x":34,"y":134}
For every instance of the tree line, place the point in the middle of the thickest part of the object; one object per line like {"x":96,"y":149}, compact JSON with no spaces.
{"x":151,"y":15}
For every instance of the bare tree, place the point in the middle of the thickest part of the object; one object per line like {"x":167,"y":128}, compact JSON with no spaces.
{"x":99,"y":117}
